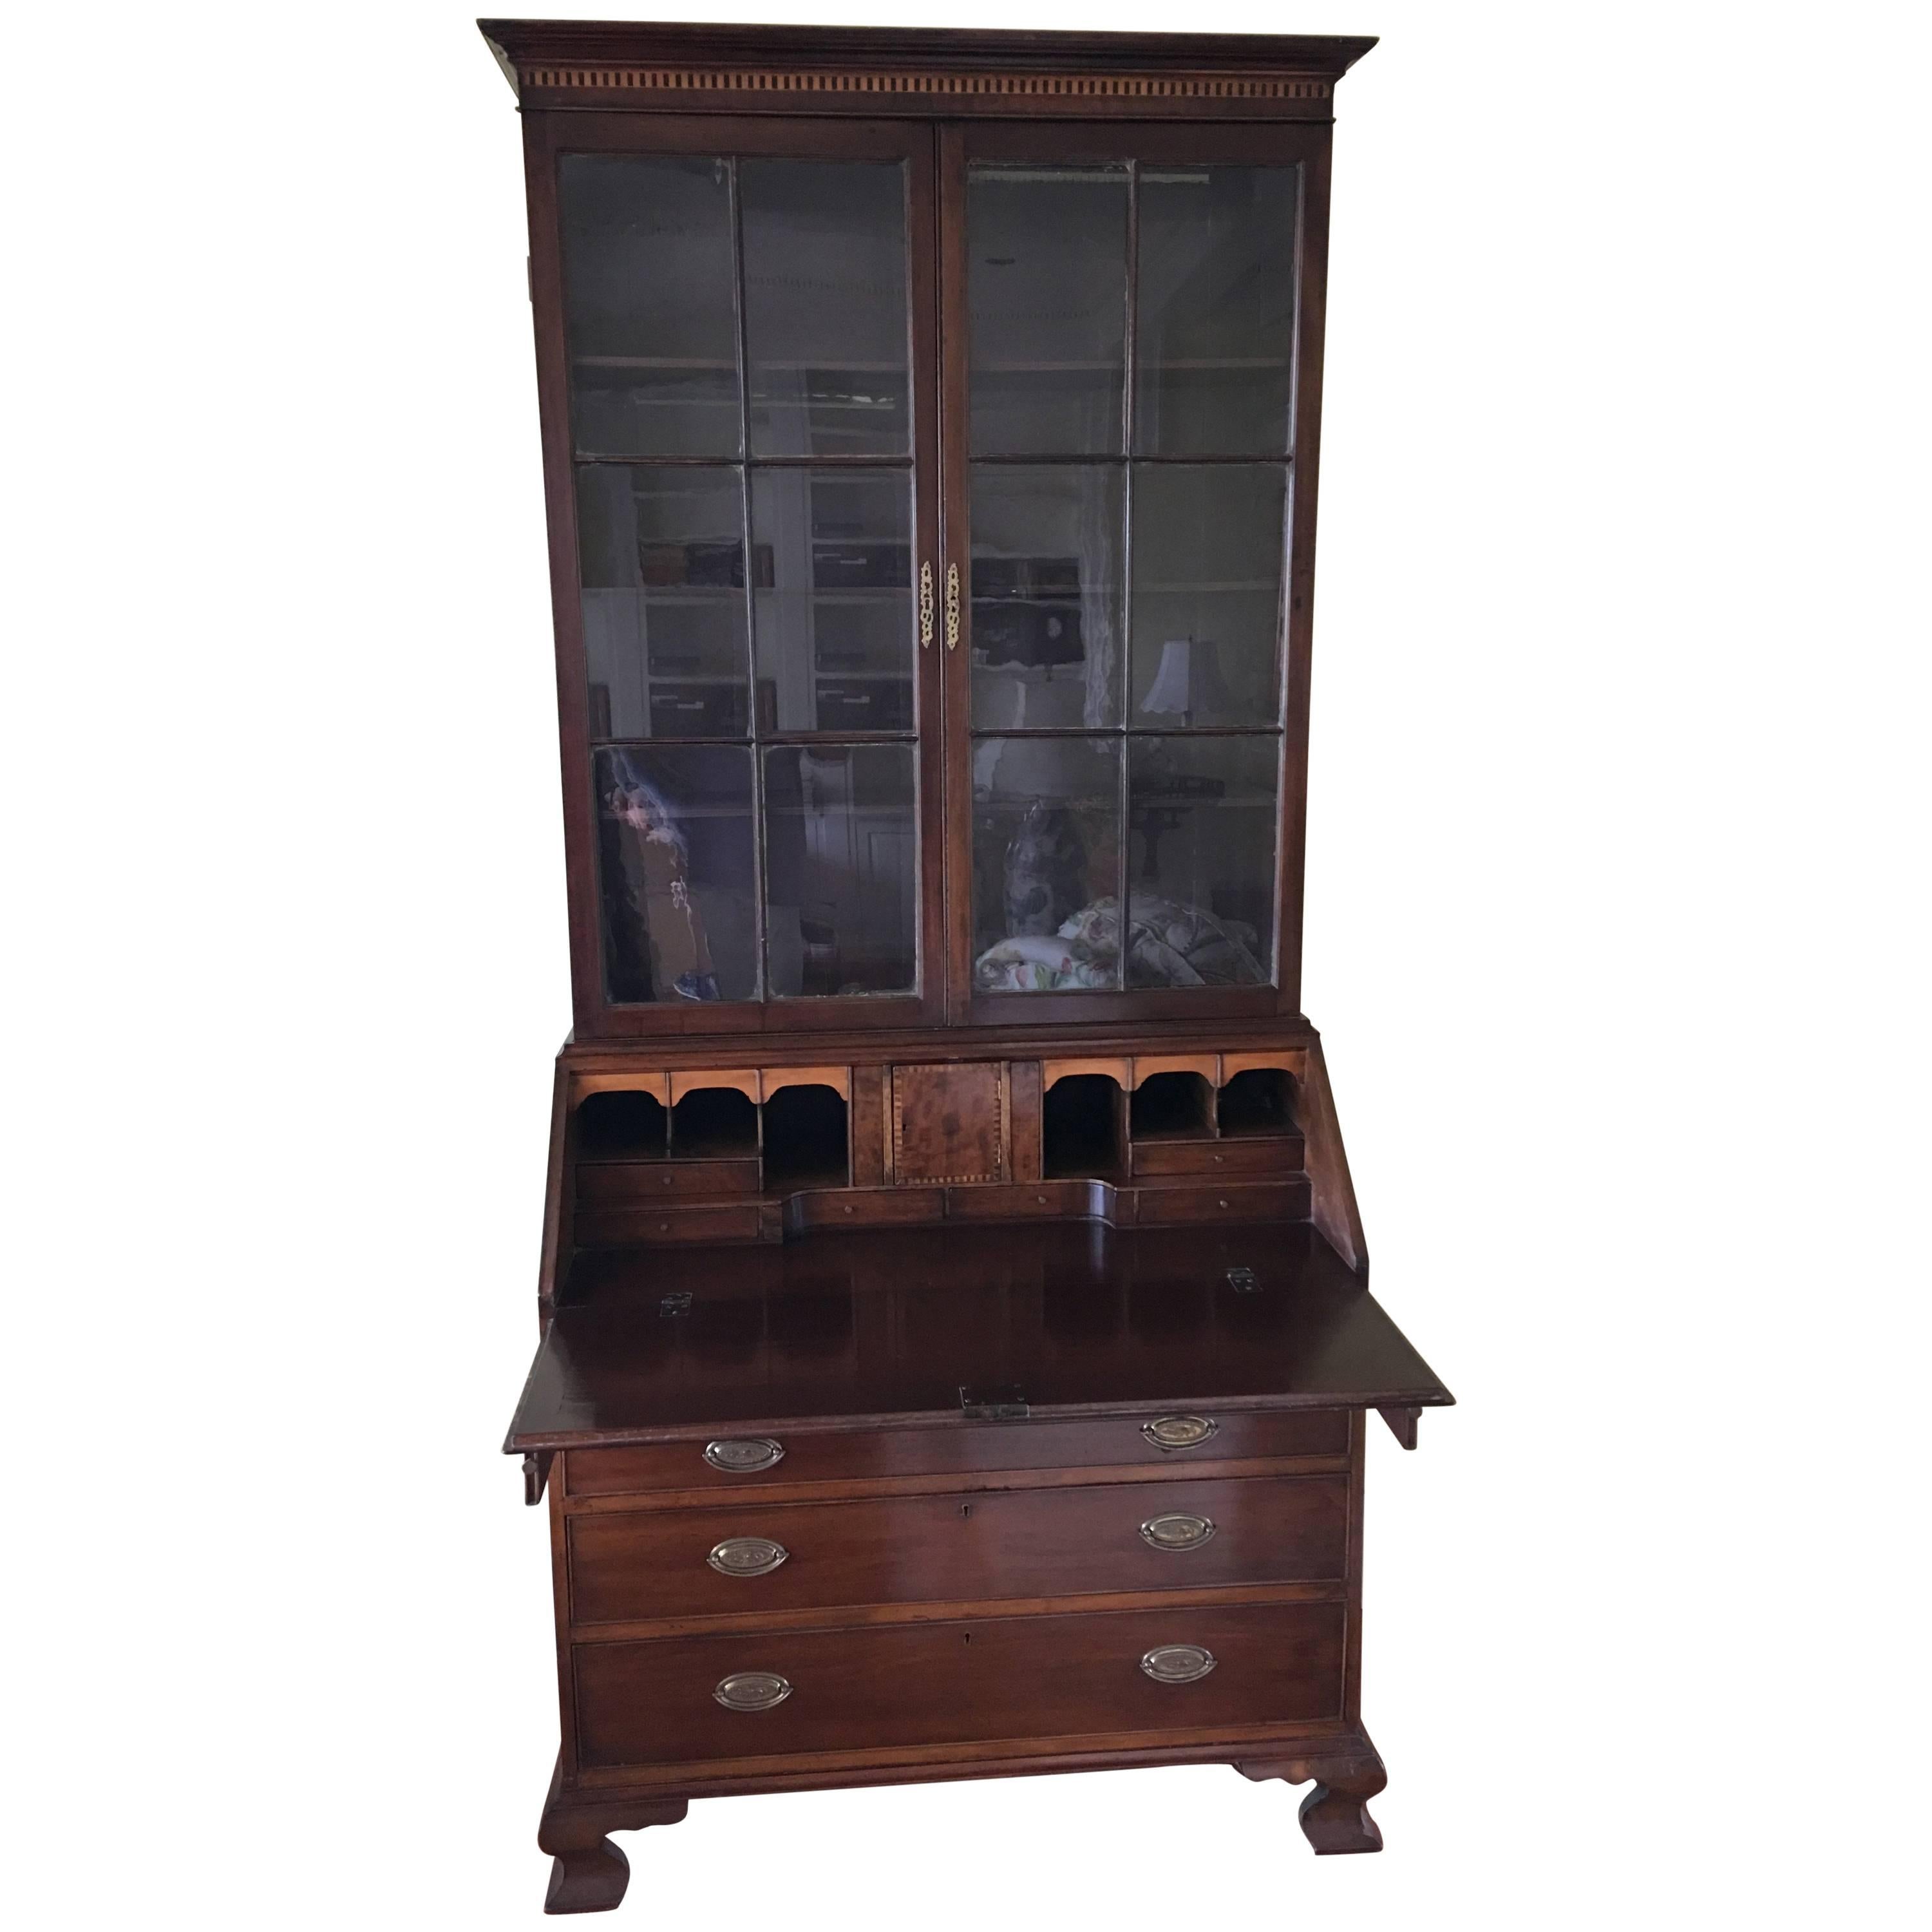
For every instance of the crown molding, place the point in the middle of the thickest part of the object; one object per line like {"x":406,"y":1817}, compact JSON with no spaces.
{"x":597,"y":64}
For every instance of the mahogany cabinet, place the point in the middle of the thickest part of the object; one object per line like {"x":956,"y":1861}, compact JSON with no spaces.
{"x":955,"y":1340}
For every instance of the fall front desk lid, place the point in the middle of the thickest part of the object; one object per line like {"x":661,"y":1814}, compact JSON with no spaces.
{"x":889,"y":1327}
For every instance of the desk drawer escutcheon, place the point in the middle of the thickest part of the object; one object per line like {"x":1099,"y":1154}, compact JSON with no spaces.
{"x":1180,"y":1432}
{"x":752,"y":1690}
{"x":1178,"y":1662}
{"x":1179,"y":1530}
{"x":740,"y":1456}
{"x":747,"y":1556}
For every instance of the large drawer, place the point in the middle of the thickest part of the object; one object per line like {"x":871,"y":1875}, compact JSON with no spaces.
{"x":635,"y":1564}
{"x":965,"y":1448}
{"x":1018,"y":1679}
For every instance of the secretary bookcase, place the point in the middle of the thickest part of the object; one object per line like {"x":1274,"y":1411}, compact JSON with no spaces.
{"x":956,"y":1344}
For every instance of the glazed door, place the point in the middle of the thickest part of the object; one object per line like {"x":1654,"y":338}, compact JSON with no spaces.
{"x":1132,"y":319}
{"x":737,"y":324}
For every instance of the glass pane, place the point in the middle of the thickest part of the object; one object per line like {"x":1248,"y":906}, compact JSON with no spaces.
{"x":675,"y":851}
{"x":1046,"y":288}
{"x":1200,"y":819}
{"x":841,"y":869}
{"x":825,"y":307}
{"x":652,"y":327}
{"x":1214,"y":327}
{"x":1046,"y":595}
{"x":836,"y":619}
{"x":1206,"y":594}
{"x":1046,"y":860}
{"x":661,"y":553}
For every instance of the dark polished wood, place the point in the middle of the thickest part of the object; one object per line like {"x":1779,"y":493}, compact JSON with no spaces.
{"x":1334,"y":1816}
{"x":633,"y":1566}
{"x":589,"y":1873}
{"x":951,"y":1382}
{"x":882,"y":1329}
{"x":878,"y":1458}
{"x":1042,"y":1682}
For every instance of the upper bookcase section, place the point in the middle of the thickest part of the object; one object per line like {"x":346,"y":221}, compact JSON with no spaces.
{"x":954,"y":74}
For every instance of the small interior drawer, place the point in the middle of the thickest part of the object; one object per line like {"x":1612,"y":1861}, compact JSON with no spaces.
{"x":867,"y":1207}
{"x":648,"y":1226}
{"x":1243,"y":1156}
{"x":1284,"y":1201}
{"x":640,"y":1182}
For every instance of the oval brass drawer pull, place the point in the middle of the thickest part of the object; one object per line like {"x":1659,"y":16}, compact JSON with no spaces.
{"x":752,"y":1690}
{"x":1180,"y":1432}
{"x":1178,"y":1531}
{"x":753,"y":1555}
{"x":1178,"y":1662}
{"x":740,"y":1456}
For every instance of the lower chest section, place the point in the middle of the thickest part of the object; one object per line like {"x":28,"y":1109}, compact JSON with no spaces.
{"x":1040,"y":1587}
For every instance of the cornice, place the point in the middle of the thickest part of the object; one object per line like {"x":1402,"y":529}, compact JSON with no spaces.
{"x":605,"y":63}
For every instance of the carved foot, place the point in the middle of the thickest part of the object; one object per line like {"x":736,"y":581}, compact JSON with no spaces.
{"x":1334,"y":1816}
{"x":588,"y":1881}
{"x":589,"y":1873}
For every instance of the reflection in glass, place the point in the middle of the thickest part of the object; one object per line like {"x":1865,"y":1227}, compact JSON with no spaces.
{"x":675,"y":855}
{"x":651,"y":322}
{"x":1200,"y":821}
{"x":825,"y":307}
{"x":1046,"y":857}
{"x":1214,"y":326}
{"x":1046,"y":289}
{"x":835,"y":615}
{"x":841,"y":869}
{"x":1046,"y":598}
{"x":661,"y":553}
{"x":1206,"y":594}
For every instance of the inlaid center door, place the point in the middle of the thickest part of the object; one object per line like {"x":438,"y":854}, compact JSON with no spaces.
{"x":1125,"y":336}
{"x":747,"y":316}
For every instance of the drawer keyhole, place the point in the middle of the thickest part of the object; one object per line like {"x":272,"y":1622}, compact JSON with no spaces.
{"x":965,"y":1509}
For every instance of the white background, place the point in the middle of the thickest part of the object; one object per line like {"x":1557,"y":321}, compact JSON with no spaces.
{"x":1617,"y":887}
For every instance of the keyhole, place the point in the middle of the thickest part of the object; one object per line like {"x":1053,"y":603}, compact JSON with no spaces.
{"x":965,"y":1509}
{"x":967,"y":1638}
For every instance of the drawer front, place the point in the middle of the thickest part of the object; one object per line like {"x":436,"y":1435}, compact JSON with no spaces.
{"x":1159,"y":1207}
{"x":636,"y":1564}
{"x":654,"y":1226}
{"x":969,"y":1449}
{"x":868,"y":1207}
{"x":1021,"y":1678}
{"x":1212,"y":1157}
{"x":1041,"y":1200}
{"x":640,"y":1183}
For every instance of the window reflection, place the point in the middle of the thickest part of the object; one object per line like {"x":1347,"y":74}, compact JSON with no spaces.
{"x":675,"y":851}
{"x":841,"y":852}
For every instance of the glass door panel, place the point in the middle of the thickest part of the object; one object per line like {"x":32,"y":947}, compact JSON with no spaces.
{"x":1202,"y":813}
{"x":1214,"y":311}
{"x":1047,"y":635}
{"x":841,"y":840}
{"x":825,"y":307}
{"x":739,"y":333}
{"x":1128,"y":496}
{"x":833,"y":608}
{"x":660,"y":556}
{"x":1046,"y":289}
{"x":1208,"y":550}
{"x":650,"y":311}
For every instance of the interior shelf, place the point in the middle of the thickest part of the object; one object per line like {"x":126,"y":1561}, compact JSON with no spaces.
{"x":621,"y":1126}
{"x":1080,"y":1123}
{"x":1171,"y":1107}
